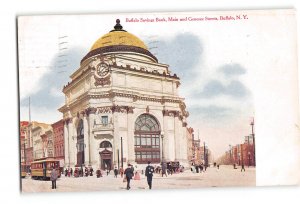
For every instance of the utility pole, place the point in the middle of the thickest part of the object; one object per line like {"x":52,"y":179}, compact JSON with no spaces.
{"x":122,"y":152}
{"x":118,"y":158}
{"x":248,"y":149}
{"x":204,"y":152}
{"x":253,"y":136}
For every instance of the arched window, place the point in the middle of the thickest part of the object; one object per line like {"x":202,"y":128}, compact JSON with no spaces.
{"x":147,"y":139}
{"x":105,"y":144}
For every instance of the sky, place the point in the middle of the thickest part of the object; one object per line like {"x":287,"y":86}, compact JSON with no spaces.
{"x":214,"y":60}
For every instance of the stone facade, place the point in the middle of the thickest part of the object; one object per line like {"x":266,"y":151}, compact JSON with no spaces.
{"x":122,"y":93}
{"x":39,"y":138}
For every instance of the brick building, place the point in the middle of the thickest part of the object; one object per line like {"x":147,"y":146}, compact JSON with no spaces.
{"x":23,"y":133}
{"x":58,"y":141}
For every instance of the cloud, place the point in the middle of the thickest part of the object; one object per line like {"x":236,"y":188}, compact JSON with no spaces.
{"x":214,"y":88}
{"x":211,"y":113}
{"x":49,"y":94}
{"x":182,"y":53}
{"x":230,"y":70}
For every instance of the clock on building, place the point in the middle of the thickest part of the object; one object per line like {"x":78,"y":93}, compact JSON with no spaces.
{"x":102,"y":70}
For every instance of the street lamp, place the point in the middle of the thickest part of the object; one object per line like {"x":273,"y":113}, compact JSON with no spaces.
{"x":162,"y":146}
{"x":249,"y":159}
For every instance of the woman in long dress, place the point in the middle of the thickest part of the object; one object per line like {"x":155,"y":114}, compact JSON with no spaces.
{"x":137,"y":176}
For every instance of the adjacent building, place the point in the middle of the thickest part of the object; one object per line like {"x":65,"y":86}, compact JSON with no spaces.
{"x":23,"y":136}
{"x":58,"y":141}
{"x":39,"y":140}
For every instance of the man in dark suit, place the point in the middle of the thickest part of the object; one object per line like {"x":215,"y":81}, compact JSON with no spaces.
{"x":53,"y":178}
{"x":149,"y":173}
{"x":129,"y":174}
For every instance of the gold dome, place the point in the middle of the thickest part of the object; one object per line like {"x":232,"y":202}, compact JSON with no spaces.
{"x":118,"y":37}
{"x":119,"y":40}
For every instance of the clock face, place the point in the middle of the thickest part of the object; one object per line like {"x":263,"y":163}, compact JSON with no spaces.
{"x":102,"y":70}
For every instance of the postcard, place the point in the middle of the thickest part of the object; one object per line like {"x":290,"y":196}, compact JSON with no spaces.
{"x":140,"y":101}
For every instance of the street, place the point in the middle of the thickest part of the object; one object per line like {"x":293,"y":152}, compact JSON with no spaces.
{"x":213,"y":177}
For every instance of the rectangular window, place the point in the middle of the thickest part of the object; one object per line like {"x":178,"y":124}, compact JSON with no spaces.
{"x":148,"y":141}
{"x":143,"y":141}
{"x":104,"y":120}
{"x":153,"y":141}
{"x":157,"y":141}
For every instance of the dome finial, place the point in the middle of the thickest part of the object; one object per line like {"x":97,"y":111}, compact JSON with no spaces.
{"x":118,"y":25}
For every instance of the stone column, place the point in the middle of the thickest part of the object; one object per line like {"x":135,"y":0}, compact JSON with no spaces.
{"x":166,"y":139}
{"x":86,"y":140}
{"x":184,"y":150}
{"x":94,"y":155}
{"x":177,"y":126}
{"x":72,"y":145}
{"x":66,"y":143}
{"x":116,"y":136}
{"x":130,"y":137}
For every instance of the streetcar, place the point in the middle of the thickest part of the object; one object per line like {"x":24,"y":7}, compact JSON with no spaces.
{"x":23,"y":170}
{"x":41,"y":169}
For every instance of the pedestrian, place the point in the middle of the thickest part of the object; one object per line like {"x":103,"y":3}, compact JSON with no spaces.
{"x":149,"y":173}
{"x":81,"y":171}
{"x":98,"y":173}
{"x":86,"y":171}
{"x":128,"y":174}
{"x":66,"y":172}
{"x":137,"y":176}
{"x":218,"y":166}
{"x":71,"y":172}
{"x":91,"y":171}
{"x":116,"y":172}
{"x":121,"y":172}
{"x":243,"y":167}
{"x":53,"y":177}
{"x":163,"y":170}
{"x":201,"y":168}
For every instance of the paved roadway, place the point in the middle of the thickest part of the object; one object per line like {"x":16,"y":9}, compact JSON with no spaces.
{"x":213,"y":177}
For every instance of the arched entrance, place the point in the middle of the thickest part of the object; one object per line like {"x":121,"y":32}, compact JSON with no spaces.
{"x":106,"y":156}
{"x":80,"y":143}
{"x":147,"y":139}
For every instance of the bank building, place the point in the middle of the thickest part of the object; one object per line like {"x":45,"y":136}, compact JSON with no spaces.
{"x":122,"y":106}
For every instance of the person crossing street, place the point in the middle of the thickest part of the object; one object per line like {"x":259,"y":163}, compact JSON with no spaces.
{"x":149,"y":173}
{"x":128,"y":174}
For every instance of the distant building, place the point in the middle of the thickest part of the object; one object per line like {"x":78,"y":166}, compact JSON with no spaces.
{"x":58,"y":141}
{"x":190,"y":144}
{"x":39,"y":139}
{"x":23,"y":136}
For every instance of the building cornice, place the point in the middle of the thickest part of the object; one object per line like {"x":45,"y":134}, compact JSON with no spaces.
{"x":145,"y":71}
{"x":163,"y":75}
{"x":119,"y":49}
